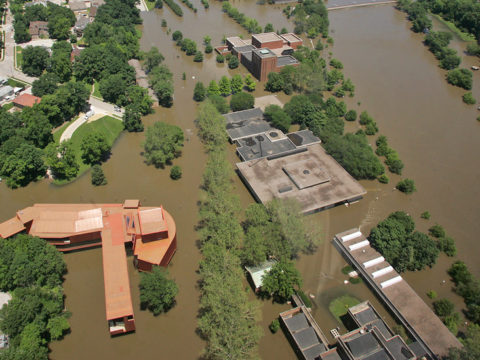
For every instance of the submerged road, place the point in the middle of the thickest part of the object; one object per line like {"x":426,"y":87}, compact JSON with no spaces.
{"x":346,"y":4}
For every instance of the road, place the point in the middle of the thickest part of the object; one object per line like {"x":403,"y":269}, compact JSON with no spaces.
{"x":345,"y":4}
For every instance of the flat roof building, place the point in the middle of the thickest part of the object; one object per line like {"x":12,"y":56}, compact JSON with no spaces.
{"x":150,"y":231}
{"x":309,"y":175}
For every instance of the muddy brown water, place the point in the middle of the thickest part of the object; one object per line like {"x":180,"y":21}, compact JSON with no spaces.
{"x":400,"y":84}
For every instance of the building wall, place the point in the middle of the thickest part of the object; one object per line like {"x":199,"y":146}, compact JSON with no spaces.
{"x":170,"y":252}
{"x":267,"y":44}
{"x":262,"y":66}
{"x":85,"y":237}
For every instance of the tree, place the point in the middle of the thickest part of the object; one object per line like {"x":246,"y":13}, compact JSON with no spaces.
{"x":61,"y":160}
{"x":207,"y":39}
{"x":242,"y":101}
{"x":268,"y":28}
{"x":443,"y":307}
{"x":471,"y":348}
{"x":351,"y":115}
{"x":153,"y":58}
{"x":34,"y":60}
{"x":98,"y":177}
{"x":220,"y":103}
{"x":177,"y":36}
{"x":139,"y":100}
{"x":469,"y":99}
{"x":437,"y":231}
{"x":278,"y":118}
{"x":113,"y":89}
{"x":208,"y":49}
{"x":157,"y":291}
{"x":337,"y":64}
{"x":233,"y":62}
{"x":199,"y":93}
{"x":213,"y":88}
{"x":36,"y":127}
{"x":61,"y":66}
{"x":211,"y":125}
{"x":220,"y":59}
{"x":95,"y":148}
{"x":250,"y":83}
{"x":282,"y":281}
{"x":450,"y":61}
{"x":189,"y":46}
{"x":461,"y":78}
{"x":45,"y":84}
{"x":300,"y":109}
{"x":23,"y":165}
{"x":132,"y":120}
{"x":198,"y":56}
{"x":176,"y":172}
{"x":236,"y":83}
{"x":406,"y":186}
{"x":274,"y":83}
{"x":224,"y":86}
{"x":163,"y":143}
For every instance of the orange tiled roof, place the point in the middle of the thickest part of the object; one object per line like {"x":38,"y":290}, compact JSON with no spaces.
{"x":26,"y":100}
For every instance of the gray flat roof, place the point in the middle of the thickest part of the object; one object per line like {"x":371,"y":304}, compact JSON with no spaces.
{"x":286,"y":60}
{"x":331,"y":355}
{"x":399,"y":349}
{"x":5,"y":90}
{"x":297,"y":322}
{"x":259,"y":146}
{"x":363,"y":344}
{"x":303,"y":137}
{"x":314,"y":352}
{"x":267,"y":179}
{"x":246,"y":123}
{"x":377,"y":355}
{"x":245,"y":48}
{"x":264,"y":52}
{"x":366,"y":316}
{"x":306,"y":338}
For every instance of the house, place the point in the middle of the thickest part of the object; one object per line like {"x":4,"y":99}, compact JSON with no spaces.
{"x":81,"y":24}
{"x":75,"y":52}
{"x":5,"y":92}
{"x":93,"y":12}
{"x":149,"y":233}
{"x":77,"y":6}
{"x":26,"y":100}
{"x":256,"y":273}
{"x":38,"y":29}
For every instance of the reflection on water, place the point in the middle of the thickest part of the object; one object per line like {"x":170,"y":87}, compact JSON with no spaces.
{"x":397,"y":80}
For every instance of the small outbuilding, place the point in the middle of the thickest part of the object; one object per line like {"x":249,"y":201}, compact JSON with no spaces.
{"x":5,"y":91}
{"x":26,"y":100}
{"x":256,"y":273}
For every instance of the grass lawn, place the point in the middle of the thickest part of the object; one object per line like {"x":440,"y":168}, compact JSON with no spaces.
{"x":16,"y":83}
{"x":462,"y":35}
{"x":18,"y":53}
{"x":96,"y":90}
{"x":57,"y":134}
{"x":340,"y":305}
{"x":150,"y":4}
{"x":106,"y":125}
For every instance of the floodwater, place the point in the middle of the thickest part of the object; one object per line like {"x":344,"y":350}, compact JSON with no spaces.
{"x":400,"y":84}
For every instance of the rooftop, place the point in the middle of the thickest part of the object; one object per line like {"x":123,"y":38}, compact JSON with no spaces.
{"x":26,"y":100}
{"x":291,"y":37}
{"x":261,"y":145}
{"x":264,"y":52}
{"x":257,"y":272}
{"x":311,"y":176}
{"x":236,"y":41}
{"x":267,"y":37}
{"x":246,"y":123}
{"x":286,"y":60}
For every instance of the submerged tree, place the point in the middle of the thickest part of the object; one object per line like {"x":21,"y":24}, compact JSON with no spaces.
{"x":157,"y":291}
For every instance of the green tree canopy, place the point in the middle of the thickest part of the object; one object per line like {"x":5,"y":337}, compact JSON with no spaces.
{"x":242,"y":101}
{"x":34,"y":60}
{"x":157,"y":291}
{"x":282,"y":281}
{"x":163,"y":143}
{"x":95,"y":148}
{"x":61,"y":160}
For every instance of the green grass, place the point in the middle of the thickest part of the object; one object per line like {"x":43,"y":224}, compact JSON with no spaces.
{"x":462,"y":35}
{"x":16,"y":83}
{"x":57,"y":134}
{"x":107,"y":125}
{"x":150,"y":4}
{"x":89,"y":87}
{"x":19,"y":56}
{"x":340,"y":305}
{"x":96,"y":90}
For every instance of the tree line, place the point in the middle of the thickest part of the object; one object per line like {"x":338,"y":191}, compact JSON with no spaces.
{"x":227,"y":319}
{"x":249,"y":24}
{"x":32,"y":271}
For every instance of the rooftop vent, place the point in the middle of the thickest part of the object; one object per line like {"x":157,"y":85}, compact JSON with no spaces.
{"x":264,"y":51}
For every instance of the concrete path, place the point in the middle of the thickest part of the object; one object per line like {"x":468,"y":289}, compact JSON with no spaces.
{"x":67,"y":134}
{"x":346,"y":4}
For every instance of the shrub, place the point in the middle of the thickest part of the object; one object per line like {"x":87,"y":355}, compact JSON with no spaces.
{"x":443,"y":307}
{"x":461,"y":78}
{"x":406,"y":186}
{"x":306,"y":300}
{"x":174,"y":7}
{"x":242,"y":101}
{"x":208,"y":49}
{"x":447,"y":245}
{"x":336,"y":64}
{"x":177,"y":35}
{"x":176,"y":172}
{"x":199,"y":93}
{"x":220,"y":59}
{"x":220,"y":103}
{"x":98,"y":177}
{"x":347,"y":269}
{"x":383,"y":179}
{"x":432,"y":294}
{"x":164,"y":23}
{"x":355,"y":280}
{"x":198,"y":57}
{"x":437,"y":231}
{"x":274,"y":326}
{"x":351,"y":115}
{"x":469,"y":99}
{"x":425,"y":215}
{"x":473,"y":49}
{"x":233,"y":62}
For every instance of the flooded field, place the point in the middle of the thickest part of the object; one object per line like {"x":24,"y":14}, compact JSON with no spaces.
{"x":397,"y":80}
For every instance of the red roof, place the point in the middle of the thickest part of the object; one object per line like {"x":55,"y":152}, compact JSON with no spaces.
{"x":26,"y":100}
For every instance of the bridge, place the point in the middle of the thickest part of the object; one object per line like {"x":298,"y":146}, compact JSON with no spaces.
{"x":339,"y":4}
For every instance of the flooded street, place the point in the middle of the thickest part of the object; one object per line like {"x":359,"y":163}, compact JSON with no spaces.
{"x":399,"y":83}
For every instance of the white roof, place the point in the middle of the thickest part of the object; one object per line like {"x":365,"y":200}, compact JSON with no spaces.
{"x":257,"y":272}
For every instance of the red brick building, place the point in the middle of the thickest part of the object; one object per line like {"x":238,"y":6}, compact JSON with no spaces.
{"x":149,"y":231}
